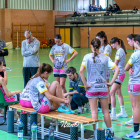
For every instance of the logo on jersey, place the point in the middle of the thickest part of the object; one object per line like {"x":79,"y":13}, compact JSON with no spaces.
{"x":42,"y":86}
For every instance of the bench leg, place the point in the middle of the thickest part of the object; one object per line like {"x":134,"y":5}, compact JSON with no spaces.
{"x":97,"y":125}
{"x":42,"y":127}
{"x":56,"y":123}
{"x":82,"y":132}
{"x":10,"y":108}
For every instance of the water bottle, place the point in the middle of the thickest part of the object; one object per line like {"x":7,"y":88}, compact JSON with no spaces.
{"x":51,"y":132}
{"x":34,"y":131}
{"x":8,"y":68}
{"x":20,"y":130}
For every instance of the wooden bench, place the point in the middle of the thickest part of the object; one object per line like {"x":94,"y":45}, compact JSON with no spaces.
{"x":84,"y":121}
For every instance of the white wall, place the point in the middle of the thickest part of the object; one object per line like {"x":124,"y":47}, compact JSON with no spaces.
{"x":66,"y":5}
{"x":31,"y":4}
{"x":110,"y":2}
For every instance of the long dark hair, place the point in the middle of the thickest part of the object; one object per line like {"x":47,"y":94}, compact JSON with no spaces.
{"x":58,"y":36}
{"x":96,"y":45}
{"x":131,"y":36}
{"x":137,"y":38}
{"x":102,"y":34}
{"x":120,"y":42}
{"x":43,"y":68}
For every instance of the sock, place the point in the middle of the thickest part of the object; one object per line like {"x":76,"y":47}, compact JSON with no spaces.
{"x":62,"y":104}
{"x":122,"y":109}
{"x":99,"y":105}
{"x":136,"y":127}
{"x":109,"y":106}
{"x":110,"y":129}
{"x":113,"y":110}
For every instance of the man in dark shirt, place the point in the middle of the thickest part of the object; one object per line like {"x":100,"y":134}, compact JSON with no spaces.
{"x":76,"y":91}
{"x":3,"y":52}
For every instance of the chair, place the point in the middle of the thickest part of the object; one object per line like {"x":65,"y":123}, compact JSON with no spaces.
{"x":4,"y":104}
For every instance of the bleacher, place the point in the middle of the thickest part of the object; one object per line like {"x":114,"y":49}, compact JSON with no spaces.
{"x":124,"y":16}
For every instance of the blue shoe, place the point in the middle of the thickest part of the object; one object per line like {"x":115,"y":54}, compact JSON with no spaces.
{"x":109,"y":135}
{"x":65,"y":109}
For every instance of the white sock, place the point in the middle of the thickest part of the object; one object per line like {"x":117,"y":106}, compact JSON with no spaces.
{"x":110,"y":129}
{"x":113,"y":110}
{"x":122,"y":109}
{"x":62,"y":104}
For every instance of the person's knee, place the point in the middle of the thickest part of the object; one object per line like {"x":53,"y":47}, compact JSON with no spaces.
{"x":55,"y":83}
{"x":62,"y":86}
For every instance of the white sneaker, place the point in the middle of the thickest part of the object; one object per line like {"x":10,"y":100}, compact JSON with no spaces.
{"x":122,"y":115}
{"x":130,"y":122}
{"x":80,"y":110}
{"x":87,"y":107}
{"x":113,"y":117}
{"x":133,"y":135}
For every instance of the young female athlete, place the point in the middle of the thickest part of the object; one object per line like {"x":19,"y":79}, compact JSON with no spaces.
{"x":118,"y":44}
{"x":130,"y":39}
{"x":134,"y":87}
{"x":96,"y":87}
{"x":60,"y":62}
{"x":44,"y":97}
{"x":105,"y":49}
{"x":9,"y":96}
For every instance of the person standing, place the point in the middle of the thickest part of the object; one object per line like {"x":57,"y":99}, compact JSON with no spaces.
{"x":3,"y":52}
{"x":29,"y":50}
{"x":58,"y":56}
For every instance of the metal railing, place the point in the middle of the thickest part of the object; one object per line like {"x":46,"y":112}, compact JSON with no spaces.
{"x":115,"y":18}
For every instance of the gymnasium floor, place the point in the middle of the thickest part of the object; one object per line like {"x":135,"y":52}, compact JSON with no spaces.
{"x":15,"y":82}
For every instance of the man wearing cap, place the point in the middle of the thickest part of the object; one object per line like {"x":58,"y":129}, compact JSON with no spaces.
{"x":29,"y":50}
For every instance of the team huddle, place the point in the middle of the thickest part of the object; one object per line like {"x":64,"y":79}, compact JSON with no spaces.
{"x":90,"y":88}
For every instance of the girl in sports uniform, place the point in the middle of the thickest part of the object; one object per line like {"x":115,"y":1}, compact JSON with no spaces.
{"x":96,"y":87}
{"x":60,"y":62}
{"x":105,"y":49}
{"x":134,"y":87}
{"x":118,"y":44}
{"x":130,"y":39}
{"x":44,"y":97}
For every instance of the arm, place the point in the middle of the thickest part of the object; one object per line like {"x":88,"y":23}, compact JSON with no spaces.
{"x":70,"y":93}
{"x":116,"y":62}
{"x":23,"y":50}
{"x":55,"y":99}
{"x":83,"y":78}
{"x":127,"y":67}
{"x":51,"y":58}
{"x":34,"y":49}
{"x":117,"y":70}
{"x":75,"y":53}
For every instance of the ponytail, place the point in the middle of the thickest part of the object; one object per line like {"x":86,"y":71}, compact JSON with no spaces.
{"x":120,"y":42}
{"x":43,"y":68}
{"x":123,"y":46}
{"x":96,"y":45}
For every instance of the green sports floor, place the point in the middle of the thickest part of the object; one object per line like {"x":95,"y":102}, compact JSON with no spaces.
{"x":15,"y":82}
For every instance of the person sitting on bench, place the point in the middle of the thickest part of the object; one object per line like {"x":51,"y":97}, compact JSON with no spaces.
{"x":9,"y":96}
{"x":76,"y":91}
{"x":44,"y":97}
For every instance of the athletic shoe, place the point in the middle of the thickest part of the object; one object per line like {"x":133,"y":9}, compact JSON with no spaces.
{"x":133,"y":134}
{"x":122,"y":115}
{"x":87,"y":107}
{"x":109,"y":135}
{"x":80,"y":110}
{"x":130,"y":122}
{"x":113,"y":117}
{"x":65,"y":109}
